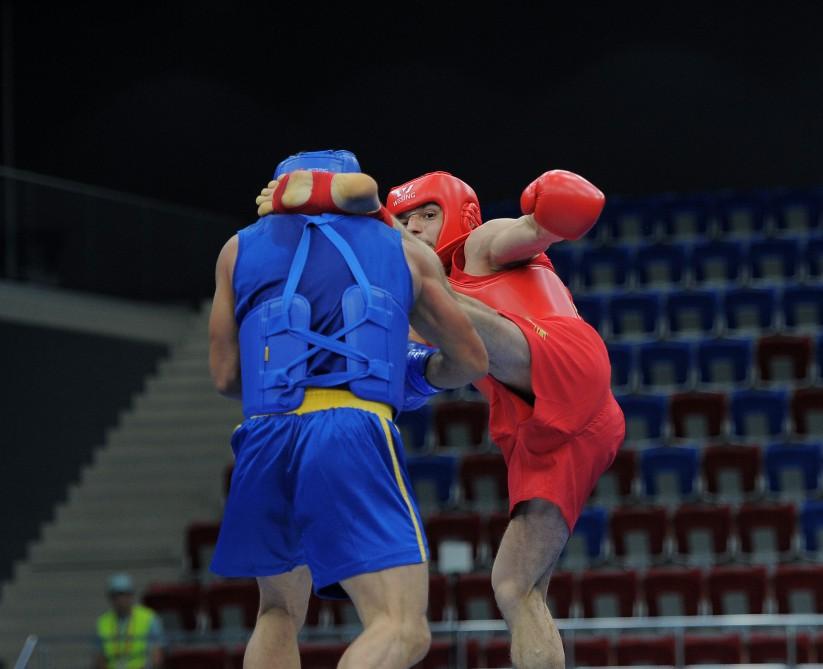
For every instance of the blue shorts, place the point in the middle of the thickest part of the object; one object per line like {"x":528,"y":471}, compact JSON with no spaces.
{"x":327,"y":488}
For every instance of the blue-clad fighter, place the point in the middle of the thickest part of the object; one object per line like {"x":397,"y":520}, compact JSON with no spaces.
{"x":309,"y":327}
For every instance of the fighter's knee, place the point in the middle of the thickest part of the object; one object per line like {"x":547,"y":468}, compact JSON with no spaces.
{"x":417,"y":638}
{"x":282,"y":617}
{"x":509,"y":593}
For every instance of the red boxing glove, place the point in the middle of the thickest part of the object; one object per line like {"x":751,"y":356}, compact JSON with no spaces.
{"x":319,"y":202}
{"x":563,"y":203}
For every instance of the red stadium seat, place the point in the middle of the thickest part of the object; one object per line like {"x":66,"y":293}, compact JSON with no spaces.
{"x":685,"y":583}
{"x":689,"y":519}
{"x":779,"y":518}
{"x":239,"y":594}
{"x":496,"y":653}
{"x":645,"y":650}
{"x":200,"y":537}
{"x":471,"y":590}
{"x":438,"y":597}
{"x":195,"y":658}
{"x":807,"y":410}
{"x":710,"y":407}
{"x":461,"y":416}
{"x":561,"y":594}
{"x":650,"y":522}
{"x":440,"y":656}
{"x":713,"y":649}
{"x":765,"y":648}
{"x":721,"y":582}
{"x":178,"y":604}
{"x":234,"y":657}
{"x":593,"y":652}
{"x":475,"y":468}
{"x":791,"y":579}
{"x":316,"y":606}
{"x":620,"y":586}
{"x":462,"y":527}
{"x":619,"y":476}
{"x":321,"y":655}
{"x":772,"y":348}
{"x":496,"y":525}
{"x":741,"y":459}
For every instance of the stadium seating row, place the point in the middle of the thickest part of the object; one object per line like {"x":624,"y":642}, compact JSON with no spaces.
{"x":766,"y":259}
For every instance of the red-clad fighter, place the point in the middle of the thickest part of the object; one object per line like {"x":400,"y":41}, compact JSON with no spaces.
{"x":552,"y":412}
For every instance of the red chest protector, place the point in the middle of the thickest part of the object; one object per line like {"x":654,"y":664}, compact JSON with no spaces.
{"x":533,"y":290}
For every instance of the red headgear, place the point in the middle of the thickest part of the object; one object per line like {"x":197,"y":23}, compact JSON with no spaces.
{"x":461,"y":209}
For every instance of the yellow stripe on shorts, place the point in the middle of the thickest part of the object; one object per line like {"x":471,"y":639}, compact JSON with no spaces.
{"x":401,"y":484}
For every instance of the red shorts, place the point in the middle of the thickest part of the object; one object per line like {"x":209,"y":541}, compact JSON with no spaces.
{"x":557,"y":448}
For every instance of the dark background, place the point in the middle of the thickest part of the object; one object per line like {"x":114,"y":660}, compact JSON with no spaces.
{"x":195,"y":103}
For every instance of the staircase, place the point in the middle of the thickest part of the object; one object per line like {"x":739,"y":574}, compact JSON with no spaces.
{"x":159,"y":469}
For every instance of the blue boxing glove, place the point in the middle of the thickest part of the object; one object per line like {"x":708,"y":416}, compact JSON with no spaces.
{"x":417,"y":390}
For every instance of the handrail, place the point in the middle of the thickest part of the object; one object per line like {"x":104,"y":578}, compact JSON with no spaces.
{"x":112,"y":195}
{"x":27,"y":652}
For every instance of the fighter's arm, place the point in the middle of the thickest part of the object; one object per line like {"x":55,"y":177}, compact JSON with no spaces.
{"x":224,"y":350}
{"x":437,"y":317}
{"x":557,"y":205}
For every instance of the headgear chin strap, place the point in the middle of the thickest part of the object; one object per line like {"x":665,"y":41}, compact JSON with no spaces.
{"x":319,"y":161}
{"x":461,"y":209}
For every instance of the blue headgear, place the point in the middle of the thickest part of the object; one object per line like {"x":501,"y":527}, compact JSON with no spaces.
{"x":319,"y":161}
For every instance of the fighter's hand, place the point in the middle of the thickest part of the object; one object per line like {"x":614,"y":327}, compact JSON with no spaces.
{"x":263,"y":201}
{"x":563,"y":203}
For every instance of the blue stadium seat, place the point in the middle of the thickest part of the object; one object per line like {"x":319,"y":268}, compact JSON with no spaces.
{"x":590,"y":529}
{"x":682,"y":461}
{"x":414,"y":426}
{"x":591,"y":308}
{"x":769,"y":406}
{"x":796,"y":210}
{"x":687,"y":216}
{"x":437,"y":471}
{"x":774,"y":258}
{"x":717,"y":261}
{"x":656,"y":264}
{"x":604,"y":266}
{"x":724,"y":360}
{"x":648,"y":410}
{"x":803,"y":306}
{"x":626,"y":219}
{"x":813,"y":256}
{"x":688,"y":311}
{"x":750,"y":308}
{"x":780,"y":457}
{"x":563,"y":257}
{"x":742,"y":213}
{"x":621,"y":357}
{"x":811,"y":523}
{"x":635,"y":315}
{"x":664,"y":363}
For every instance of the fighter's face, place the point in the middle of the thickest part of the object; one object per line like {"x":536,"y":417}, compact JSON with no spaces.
{"x":423,"y":222}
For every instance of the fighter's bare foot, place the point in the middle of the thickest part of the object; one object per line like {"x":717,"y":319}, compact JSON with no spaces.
{"x":351,"y":193}
{"x":355,"y":193}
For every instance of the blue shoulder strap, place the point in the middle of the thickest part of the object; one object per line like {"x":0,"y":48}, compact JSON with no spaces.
{"x":371,"y":313}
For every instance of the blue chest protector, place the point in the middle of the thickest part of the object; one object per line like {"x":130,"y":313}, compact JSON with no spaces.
{"x":276,"y":340}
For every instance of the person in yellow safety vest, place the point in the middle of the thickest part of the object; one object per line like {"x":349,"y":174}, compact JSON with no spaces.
{"x":129,"y":636}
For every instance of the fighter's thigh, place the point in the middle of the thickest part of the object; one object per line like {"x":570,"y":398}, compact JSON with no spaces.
{"x":288,"y":592}
{"x":507,"y":346}
{"x":401,"y":593}
{"x":530,"y":546}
